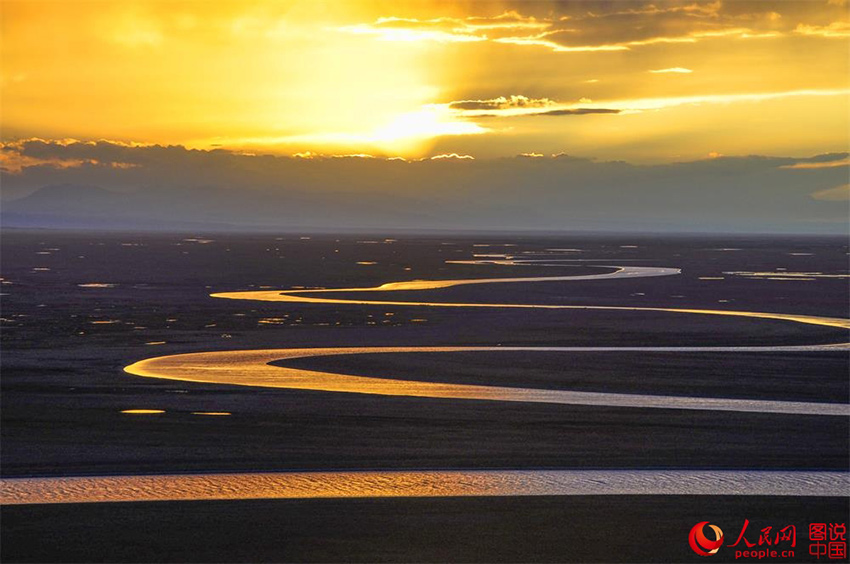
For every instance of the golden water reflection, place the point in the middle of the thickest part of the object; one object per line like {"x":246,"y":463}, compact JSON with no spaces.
{"x":252,"y":368}
{"x":437,"y":483}
{"x":296,"y":296}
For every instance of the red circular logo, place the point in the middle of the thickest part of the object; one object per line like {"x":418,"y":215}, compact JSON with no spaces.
{"x":700,"y":543}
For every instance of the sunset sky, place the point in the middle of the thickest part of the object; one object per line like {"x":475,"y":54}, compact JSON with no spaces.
{"x":622,"y":80}
{"x":643,"y":82}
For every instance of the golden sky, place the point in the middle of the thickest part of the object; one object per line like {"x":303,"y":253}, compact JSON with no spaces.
{"x":639,"y":81}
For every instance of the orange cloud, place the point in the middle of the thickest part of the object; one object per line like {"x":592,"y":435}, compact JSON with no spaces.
{"x":833,"y":30}
{"x":837,"y":194}
{"x":819,"y":164}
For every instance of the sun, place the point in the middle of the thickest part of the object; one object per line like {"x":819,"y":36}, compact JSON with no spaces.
{"x":411,"y":129}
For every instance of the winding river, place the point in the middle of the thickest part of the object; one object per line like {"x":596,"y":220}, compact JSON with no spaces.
{"x":253,"y":368}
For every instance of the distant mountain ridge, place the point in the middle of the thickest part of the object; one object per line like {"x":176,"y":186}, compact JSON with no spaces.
{"x":82,"y":206}
{"x":176,"y":188}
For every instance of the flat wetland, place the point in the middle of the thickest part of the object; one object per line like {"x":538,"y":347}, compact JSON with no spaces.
{"x":79,"y":307}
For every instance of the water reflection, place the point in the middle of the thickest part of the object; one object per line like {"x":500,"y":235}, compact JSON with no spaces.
{"x":297,"y":296}
{"x":252,"y":368}
{"x":301,"y":485}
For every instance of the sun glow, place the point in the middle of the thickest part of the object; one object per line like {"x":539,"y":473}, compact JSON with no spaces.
{"x":408,"y":134}
{"x":275,"y":76}
{"x":426,"y":123}
{"x":344,"y":78}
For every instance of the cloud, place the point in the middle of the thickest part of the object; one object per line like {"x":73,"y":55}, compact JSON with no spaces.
{"x":507,"y":20}
{"x":14,"y":163}
{"x":674,"y":70}
{"x":174,"y":186}
{"x":605,"y":28}
{"x":311,"y":155}
{"x":644,"y":104}
{"x":452,"y":156}
{"x":837,"y":194}
{"x":577,"y":112}
{"x":569,"y":40}
{"x":709,"y":9}
{"x":516,"y":106}
{"x":15,"y":156}
{"x":446,"y":29}
{"x":501,"y":103}
{"x":839,"y":160}
{"x":558,"y":47}
{"x":833,"y":30}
